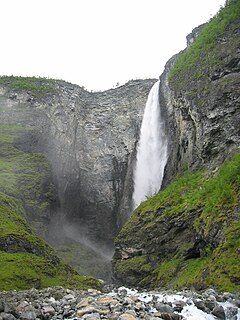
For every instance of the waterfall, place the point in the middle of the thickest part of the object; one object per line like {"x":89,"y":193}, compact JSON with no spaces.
{"x":151,"y":150}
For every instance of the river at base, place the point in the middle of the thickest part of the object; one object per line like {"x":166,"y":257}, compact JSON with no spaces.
{"x":186,"y":302}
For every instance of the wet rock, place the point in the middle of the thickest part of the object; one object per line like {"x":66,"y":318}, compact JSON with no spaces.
{"x":231,"y":313}
{"x":163,"y":307}
{"x":170,"y":316}
{"x":122,"y":292}
{"x":200,"y":305}
{"x":179,"y":306}
{"x":219,"y":312}
{"x":210,"y":292}
{"x":227,"y":296}
{"x":210,"y":304}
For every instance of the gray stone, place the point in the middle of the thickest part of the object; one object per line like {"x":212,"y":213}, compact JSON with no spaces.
{"x":163,"y":307}
{"x":1,"y":305}
{"x":28,"y":314}
{"x":219,"y":312}
{"x":48,"y":310}
{"x":7,"y":316}
{"x":200,"y":304}
{"x":210,"y":304}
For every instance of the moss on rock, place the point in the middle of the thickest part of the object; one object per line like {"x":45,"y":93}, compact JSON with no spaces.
{"x":207,"y":55}
{"x":27,"y":191}
{"x":37,"y":86}
{"x":189,"y":233}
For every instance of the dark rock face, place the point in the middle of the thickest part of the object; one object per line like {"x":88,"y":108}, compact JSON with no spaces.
{"x":89,"y":139}
{"x":203,"y":112}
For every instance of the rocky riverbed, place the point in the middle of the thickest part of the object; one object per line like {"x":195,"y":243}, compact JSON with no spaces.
{"x":117,"y":304}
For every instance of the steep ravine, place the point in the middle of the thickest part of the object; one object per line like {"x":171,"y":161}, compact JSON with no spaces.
{"x":188,"y":234}
{"x":66,"y":167}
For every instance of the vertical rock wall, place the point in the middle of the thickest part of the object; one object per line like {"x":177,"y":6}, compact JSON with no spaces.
{"x":201,"y":106}
{"x":89,"y":139}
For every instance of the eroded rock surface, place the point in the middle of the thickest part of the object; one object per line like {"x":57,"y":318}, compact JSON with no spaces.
{"x":89,"y":139}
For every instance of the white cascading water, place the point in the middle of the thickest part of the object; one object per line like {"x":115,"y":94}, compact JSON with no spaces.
{"x":151,"y":150}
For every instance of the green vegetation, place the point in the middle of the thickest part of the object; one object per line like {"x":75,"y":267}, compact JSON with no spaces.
{"x":214,"y":195}
{"x":206,"y":52}
{"x":37,"y":86}
{"x":132,"y":268}
{"x":15,"y":230}
{"x":25,"y":175}
{"x":26,"y":191}
{"x":136,"y":264}
{"x":24,"y":270}
{"x":210,"y":203}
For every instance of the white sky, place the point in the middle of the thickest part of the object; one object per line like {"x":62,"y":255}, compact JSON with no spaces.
{"x":96,"y":43}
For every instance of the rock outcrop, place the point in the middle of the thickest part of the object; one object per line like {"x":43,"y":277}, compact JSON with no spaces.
{"x":200,"y":96}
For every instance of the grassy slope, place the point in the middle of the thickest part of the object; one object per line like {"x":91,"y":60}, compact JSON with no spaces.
{"x":25,"y":259}
{"x":209,"y":51}
{"x":217,"y":199}
{"x":38,"y":86}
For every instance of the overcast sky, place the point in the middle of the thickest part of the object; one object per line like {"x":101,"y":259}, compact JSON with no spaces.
{"x":96,"y":43}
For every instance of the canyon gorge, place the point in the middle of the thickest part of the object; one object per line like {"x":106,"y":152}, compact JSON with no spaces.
{"x":67,"y":168}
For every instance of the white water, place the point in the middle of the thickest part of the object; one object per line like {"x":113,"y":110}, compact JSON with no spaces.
{"x":189,"y":311}
{"x":151,"y":150}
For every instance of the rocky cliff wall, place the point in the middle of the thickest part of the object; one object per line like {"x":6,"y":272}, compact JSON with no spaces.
{"x":200,"y":97}
{"x":188,"y":234}
{"x":89,"y":139}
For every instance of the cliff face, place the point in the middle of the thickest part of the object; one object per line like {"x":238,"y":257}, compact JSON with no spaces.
{"x":89,"y":139}
{"x":200,"y":95}
{"x":188,"y":234}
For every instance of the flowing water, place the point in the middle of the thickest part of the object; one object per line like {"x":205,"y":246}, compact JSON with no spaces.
{"x":151,"y":150}
{"x":188,"y":301}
